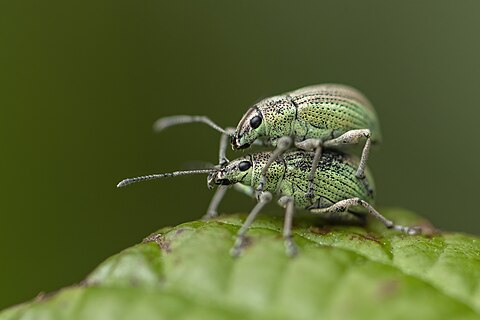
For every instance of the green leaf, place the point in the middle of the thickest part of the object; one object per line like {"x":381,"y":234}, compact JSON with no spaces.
{"x":341,"y":272}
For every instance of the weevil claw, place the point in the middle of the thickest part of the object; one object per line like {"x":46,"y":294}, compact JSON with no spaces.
{"x":291,"y":249}
{"x":414,"y":230}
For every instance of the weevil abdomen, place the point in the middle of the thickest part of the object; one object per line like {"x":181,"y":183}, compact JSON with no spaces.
{"x":326,"y":117}
{"x":334,"y":179}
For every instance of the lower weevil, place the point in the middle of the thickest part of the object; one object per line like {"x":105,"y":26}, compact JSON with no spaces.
{"x":336,"y":188}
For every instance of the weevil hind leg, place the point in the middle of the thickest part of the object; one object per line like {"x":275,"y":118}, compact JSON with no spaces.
{"x":353,"y":137}
{"x":283,"y":145}
{"x":265,"y":198}
{"x":344,"y":205}
{"x":290,"y":247}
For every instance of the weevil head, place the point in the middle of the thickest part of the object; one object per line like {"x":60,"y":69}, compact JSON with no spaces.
{"x":267,"y":120}
{"x":239,"y":170}
{"x":249,"y":129}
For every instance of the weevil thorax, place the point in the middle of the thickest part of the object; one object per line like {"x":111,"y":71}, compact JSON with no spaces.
{"x":237,"y":171}
{"x":275,"y":173}
{"x":279,"y":114}
{"x":269,"y":119}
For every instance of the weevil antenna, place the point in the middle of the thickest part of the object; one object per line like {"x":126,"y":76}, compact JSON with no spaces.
{"x":126,"y":182}
{"x":163,"y":123}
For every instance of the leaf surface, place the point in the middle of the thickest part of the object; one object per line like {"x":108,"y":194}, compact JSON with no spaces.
{"x":341,"y":272}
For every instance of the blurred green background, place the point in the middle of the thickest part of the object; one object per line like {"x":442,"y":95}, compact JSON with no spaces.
{"x":82,"y":82}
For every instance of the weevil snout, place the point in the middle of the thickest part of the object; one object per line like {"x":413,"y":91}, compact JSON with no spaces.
{"x":236,"y":142}
{"x":217,"y":178}
{"x":239,"y":170}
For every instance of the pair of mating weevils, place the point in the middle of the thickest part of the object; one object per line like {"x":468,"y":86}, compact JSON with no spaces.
{"x":306,"y":169}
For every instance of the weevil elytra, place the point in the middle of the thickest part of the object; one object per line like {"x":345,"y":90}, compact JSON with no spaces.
{"x":336,"y":188}
{"x":310,"y":118}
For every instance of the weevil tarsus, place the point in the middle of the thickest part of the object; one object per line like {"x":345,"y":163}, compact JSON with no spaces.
{"x":265,"y":198}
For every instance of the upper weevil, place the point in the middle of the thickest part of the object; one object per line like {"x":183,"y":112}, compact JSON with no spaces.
{"x":336,"y":188}
{"x":311,"y":118}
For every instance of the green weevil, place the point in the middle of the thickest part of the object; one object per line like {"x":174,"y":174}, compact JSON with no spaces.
{"x":310,"y":118}
{"x":337,"y":190}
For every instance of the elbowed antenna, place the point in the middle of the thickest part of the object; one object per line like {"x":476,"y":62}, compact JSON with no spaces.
{"x":163,"y":123}
{"x":126,"y":182}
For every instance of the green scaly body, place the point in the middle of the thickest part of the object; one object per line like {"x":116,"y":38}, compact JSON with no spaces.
{"x":323,"y":111}
{"x":334,"y":179}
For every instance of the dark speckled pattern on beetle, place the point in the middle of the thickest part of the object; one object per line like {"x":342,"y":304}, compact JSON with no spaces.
{"x":321,"y":111}
{"x":334,"y":179}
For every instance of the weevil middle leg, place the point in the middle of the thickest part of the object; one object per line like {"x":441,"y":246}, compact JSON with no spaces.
{"x":288,"y":203}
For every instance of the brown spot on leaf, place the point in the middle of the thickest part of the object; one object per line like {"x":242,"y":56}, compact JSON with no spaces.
{"x":368,"y":236}
{"x":160,"y":240}
{"x":428,"y":229}
{"x":179,"y":231}
{"x":388,"y":289}
{"x":319,"y":230}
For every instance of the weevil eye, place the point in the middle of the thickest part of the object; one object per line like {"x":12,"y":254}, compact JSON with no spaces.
{"x":244,"y":165}
{"x":255,"y":122}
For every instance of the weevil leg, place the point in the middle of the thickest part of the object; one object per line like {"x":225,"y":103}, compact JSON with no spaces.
{"x":265,"y":198}
{"x":353,"y":137}
{"x":224,"y":142}
{"x":212,"y":210}
{"x":246,"y":190}
{"x":343,"y":205}
{"x":309,"y":145}
{"x":288,"y":204}
{"x":165,"y":122}
{"x":283,"y":145}
{"x":213,"y":206}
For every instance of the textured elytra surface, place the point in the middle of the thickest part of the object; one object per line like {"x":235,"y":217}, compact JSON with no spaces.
{"x":341,"y":272}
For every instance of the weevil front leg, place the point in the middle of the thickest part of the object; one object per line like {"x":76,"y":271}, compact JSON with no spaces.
{"x":214,"y":203}
{"x":288,"y":204}
{"x":165,"y":122}
{"x":283,"y":144}
{"x":212,"y":210}
{"x":309,"y":145}
{"x":343,"y":205}
{"x":265,"y":198}
{"x":224,"y":142}
{"x":353,"y":137}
